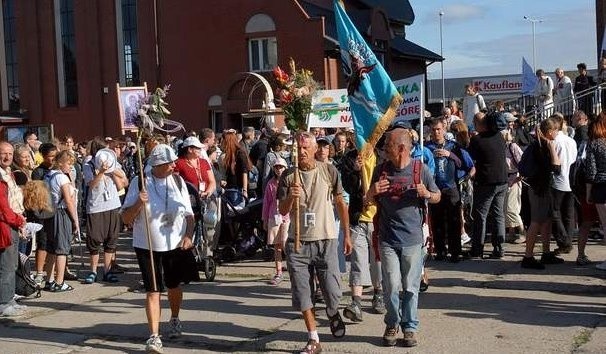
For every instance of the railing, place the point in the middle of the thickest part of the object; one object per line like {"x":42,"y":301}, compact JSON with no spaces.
{"x":591,"y":101}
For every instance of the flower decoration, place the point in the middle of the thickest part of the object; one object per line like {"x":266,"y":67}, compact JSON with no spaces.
{"x":153,"y":110}
{"x":294,"y":92}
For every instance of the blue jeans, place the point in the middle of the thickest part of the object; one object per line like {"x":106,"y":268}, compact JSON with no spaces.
{"x":401,"y":268}
{"x":8,"y":265}
{"x":488,"y":199}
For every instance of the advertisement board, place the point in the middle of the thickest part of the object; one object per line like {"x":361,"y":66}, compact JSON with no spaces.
{"x":330,"y":109}
{"x":411,"y":90}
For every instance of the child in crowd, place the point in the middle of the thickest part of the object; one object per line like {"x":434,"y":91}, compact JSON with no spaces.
{"x":274,"y":223}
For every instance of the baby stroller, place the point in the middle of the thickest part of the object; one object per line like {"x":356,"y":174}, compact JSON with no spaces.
{"x":242,"y":233}
{"x":205,"y":243}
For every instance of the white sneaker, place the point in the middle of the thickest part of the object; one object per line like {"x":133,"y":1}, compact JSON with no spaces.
{"x":176,"y":328}
{"x":601,"y":266}
{"x":16,"y":305}
{"x":465,"y":238}
{"x":8,"y":310}
{"x":154,"y":345}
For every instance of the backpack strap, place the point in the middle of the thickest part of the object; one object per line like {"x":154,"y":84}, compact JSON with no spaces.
{"x":417,"y":166}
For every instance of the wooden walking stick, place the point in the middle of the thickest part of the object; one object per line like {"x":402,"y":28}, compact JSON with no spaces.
{"x":146,"y":214}
{"x":295,"y":159}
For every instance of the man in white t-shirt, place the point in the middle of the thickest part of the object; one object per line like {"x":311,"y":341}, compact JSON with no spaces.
{"x":543,"y":91}
{"x":473,"y":103}
{"x":562,"y":196}
{"x":170,"y":223}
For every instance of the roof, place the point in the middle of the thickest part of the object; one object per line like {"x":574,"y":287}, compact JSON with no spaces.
{"x":398,"y":10}
{"x":405,"y":48}
{"x":361,"y":19}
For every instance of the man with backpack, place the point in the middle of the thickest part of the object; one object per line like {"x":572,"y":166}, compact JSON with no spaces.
{"x":400,"y":187}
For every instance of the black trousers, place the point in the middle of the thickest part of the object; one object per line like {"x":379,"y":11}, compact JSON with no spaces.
{"x":563,"y":217}
{"x":446,"y":223}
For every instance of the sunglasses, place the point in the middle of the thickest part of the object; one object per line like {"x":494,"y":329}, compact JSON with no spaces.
{"x":279,"y":167}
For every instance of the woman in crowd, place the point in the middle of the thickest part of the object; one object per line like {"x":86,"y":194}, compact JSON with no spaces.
{"x":461,"y":135}
{"x":171,"y":226}
{"x":547,"y":163}
{"x":513,"y":198}
{"x":194,"y":169}
{"x":22,"y":162}
{"x":63,"y":224}
{"x":235,"y":164}
{"x":595,"y":170}
{"x":38,"y":208}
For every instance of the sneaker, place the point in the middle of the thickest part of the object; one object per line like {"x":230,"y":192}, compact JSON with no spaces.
{"x":377,"y":303}
{"x":8,"y":310}
{"x":353,"y":312}
{"x":312,"y":347}
{"x":497,"y":253}
{"x":277,"y":279}
{"x":176,"y":328}
{"x":39,"y":279}
{"x":154,"y":345}
{"x":550,"y":258}
{"x":583,"y":260}
{"x":410,"y":339}
{"x":16,"y":305}
{"x":531,"y":263}
{"x":49,"y":286}
{"x":601,"y":266}
{"x":520,"y":239}
{"x":563,"y":250}
{"x":465,"y":238}
{"x":390,"y":336}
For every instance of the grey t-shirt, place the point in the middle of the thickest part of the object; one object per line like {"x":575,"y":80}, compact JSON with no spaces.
{"x":400,"y":213}
{"x":104,"y":196}
{"x":320,"y":186}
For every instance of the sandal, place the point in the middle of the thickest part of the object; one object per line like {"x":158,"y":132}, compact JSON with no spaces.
{"x":60,"y":288}
{"x":91,"y":278}
{"x":110,"y":278}
{"x":312,"y":347}
{"x":337,"y":326}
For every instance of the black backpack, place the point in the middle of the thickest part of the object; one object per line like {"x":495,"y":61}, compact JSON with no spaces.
{"x":577,"y":171}
{"x":24,"y":284}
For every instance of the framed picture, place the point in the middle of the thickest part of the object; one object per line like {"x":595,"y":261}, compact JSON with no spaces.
{"x":128,"y":104}
{"x":14,"y":133}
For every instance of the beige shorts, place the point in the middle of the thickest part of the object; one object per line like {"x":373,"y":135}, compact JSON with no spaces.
{"x":277,"y":233}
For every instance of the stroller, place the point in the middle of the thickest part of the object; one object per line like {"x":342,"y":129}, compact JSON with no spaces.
{"x":242,"y":233}
{"x":206,"y":215}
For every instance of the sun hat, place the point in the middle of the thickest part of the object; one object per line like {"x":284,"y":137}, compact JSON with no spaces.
{"x":161,"y":154}
{"x":192,"y":141}
{"x":106,"y":156}
{"x":280,"y":162}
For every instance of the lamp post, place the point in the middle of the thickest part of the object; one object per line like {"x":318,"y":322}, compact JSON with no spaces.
{"x":442,"y":62}
{"x":534,"y":21}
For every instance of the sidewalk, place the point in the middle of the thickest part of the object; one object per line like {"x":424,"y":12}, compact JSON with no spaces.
{"x":488,"y":306}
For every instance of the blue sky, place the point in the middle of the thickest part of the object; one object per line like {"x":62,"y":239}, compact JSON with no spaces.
{"x":489,"y":37}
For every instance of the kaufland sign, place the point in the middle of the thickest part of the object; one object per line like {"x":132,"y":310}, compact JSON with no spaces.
{"x":499,"y":84}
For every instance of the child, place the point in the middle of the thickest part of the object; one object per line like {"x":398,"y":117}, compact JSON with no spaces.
{"x":38,"y":208}
{"x":275,"y":224}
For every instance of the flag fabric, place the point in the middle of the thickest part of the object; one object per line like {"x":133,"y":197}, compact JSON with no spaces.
{"x":529,"y":79}
{"x":373,"y":97}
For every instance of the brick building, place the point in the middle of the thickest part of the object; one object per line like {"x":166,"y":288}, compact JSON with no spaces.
{"x":61,"y":59}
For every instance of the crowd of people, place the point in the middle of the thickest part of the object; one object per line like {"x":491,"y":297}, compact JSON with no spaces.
{"x":471,"y":179}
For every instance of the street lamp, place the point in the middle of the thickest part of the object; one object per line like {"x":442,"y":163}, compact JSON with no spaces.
{"x":442,"y":61}
{"x":534,"y":21}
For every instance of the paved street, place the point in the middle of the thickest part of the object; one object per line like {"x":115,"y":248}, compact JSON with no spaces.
{"x":484,"y":306}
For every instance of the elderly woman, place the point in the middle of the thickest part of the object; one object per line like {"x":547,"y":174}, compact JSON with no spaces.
{"x":170,"y":223}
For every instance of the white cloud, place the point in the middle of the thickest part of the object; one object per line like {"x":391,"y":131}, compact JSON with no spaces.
{"x":457,"y":13}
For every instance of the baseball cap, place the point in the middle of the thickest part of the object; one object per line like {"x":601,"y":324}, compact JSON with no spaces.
{"x":192,"y":141}
{"x":509,"y":117}
{"x":323,"y":140}
{"x":399,"y":124}
{"x":161,"y":154}
{"x":280,"y":162}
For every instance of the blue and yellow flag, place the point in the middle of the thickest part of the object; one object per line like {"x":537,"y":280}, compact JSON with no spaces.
{"x":373,"y":98}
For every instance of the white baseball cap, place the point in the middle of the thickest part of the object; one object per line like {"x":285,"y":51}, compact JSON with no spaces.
{"x":192,"y":141}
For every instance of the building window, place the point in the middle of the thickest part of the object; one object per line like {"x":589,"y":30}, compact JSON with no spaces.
{"x":128,"y":44}
{"x":66,"y":52}
{"x":11,"y":75}
{"x":381,"y":52}
{"x":262,"y":51}
{"x":262,"y":54}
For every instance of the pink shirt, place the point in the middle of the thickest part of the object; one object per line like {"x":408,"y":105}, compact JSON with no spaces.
{"x":270,"y":201}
